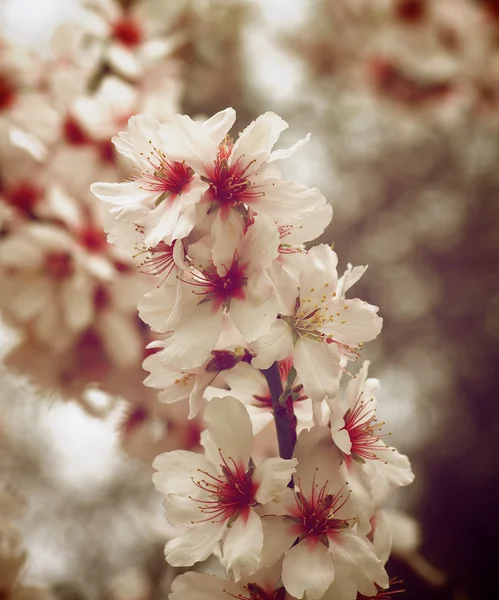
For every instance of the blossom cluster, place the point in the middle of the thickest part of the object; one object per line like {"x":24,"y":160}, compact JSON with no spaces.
{"x":255,"y":329}
{"x":69,"y":294}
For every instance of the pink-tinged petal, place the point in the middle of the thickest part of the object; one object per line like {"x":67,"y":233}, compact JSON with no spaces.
{"x":278,"y":537}
{"x":126,"y":193}
{"x":193,"y":339}
{"x":394,"y":467}
{"x":382,"y":535}
{"x":287,"y":152}
{"x":195,"y":545}
{"x":356,"y":387}
{"x":175,"y":472}
{"x":354,"y":553}
{"x":318,"y":366}
{"x":196,"y":397}
{"x":220,"y":124}
{"x":353,"y":321}
{"x":199,"y":586}
{"x":275,"y":345}
{"x":307,"y":569}
{"x":312,"y":225}
{"x":272,"y":477}
{"x":242,"y":547}
{"x":255,"y":143}
{"x":230,"y":429}
{"x":160,"y":224}
{"x":253,"y":320}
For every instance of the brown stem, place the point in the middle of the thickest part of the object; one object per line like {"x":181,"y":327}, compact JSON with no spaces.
{"x":285,"y":420}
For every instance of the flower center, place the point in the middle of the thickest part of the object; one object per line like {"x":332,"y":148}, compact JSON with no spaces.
{"x":315,"y":515}
{"x":128,"y":32}
{"x":24,"y":197}
{"x":73,"y":132}
{"x":165,"y":176}
{"x":7,"y":95}
{"x":222,"y":288}
{"x":230,"y":185}
{"x":230,"y":494}
{"x":411,"y":11}
{"x":93,"y":239}
{"x":363,"y":429}
{"x":59,"y":265}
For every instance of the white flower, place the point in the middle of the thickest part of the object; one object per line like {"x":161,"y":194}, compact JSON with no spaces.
{"x":356,"y":432}
{"x":314,"y":529}
{"x":215,"y":496}
{"x":232,"y":283}
{"x":319,"y":326}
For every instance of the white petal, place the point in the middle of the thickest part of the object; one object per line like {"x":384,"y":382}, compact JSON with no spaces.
{"x":126,"y":193}
{"x":230,"y":428}
{"x":289,"y":202}
{"x":193,"y":339}
{"x":256,"y":142}
{"x":220,"y":124}
{"x":318,"y":366}
{"x":176,"y":469}
{"x":394,"y":467}
{"x":352,"y":551}
{"x":307,"y":569}
{"x":278,"y":537}
{"x":226,"y":234}
{"x":253,"y":319}
{"x":382,"y":537}
{"x":356,"y":322}
{"x":242,"y":547}
{"x":275,"y":345}
{"x":121,"y":337}
{"x":272,"y":477}
{"x":195,"y":545}
{"x":287,"y":152}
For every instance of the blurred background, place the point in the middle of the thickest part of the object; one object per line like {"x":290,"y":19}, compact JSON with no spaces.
{"x":402,"y":100}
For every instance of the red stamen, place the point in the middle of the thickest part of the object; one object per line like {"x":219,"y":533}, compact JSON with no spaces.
{"x":167,"y":177}
{"x":230,"y":494}
{"x":363,"y":429}
{"x":222,"y":288}
{"x":93,"y":239}
{"x":411,"y":11}
{"x":73,"y":132}
{"x":7,"y":94}
{"x":24,"y":197}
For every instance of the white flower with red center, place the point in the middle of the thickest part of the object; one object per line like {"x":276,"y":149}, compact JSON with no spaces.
{"x":241,"y":175}
{"x":214,"y":497}
{"x":166,"y":189}
{"x":233,"y":283}
{"x":134,"y":35}
{"x":357,"y":433}
{"x":319,"y":327}
{"x":314,"y":528}
{"x":263,"y":585}
{"x":249,"y":385}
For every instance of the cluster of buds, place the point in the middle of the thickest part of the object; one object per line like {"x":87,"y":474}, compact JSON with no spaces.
{"x":69,"y":294}
{"x":257,"y":333}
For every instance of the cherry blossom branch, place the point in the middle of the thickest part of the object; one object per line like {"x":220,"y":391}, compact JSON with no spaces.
{"x":285,"y":421}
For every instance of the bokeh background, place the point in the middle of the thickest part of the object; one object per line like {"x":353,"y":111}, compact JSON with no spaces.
{"x":402,"y":100}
